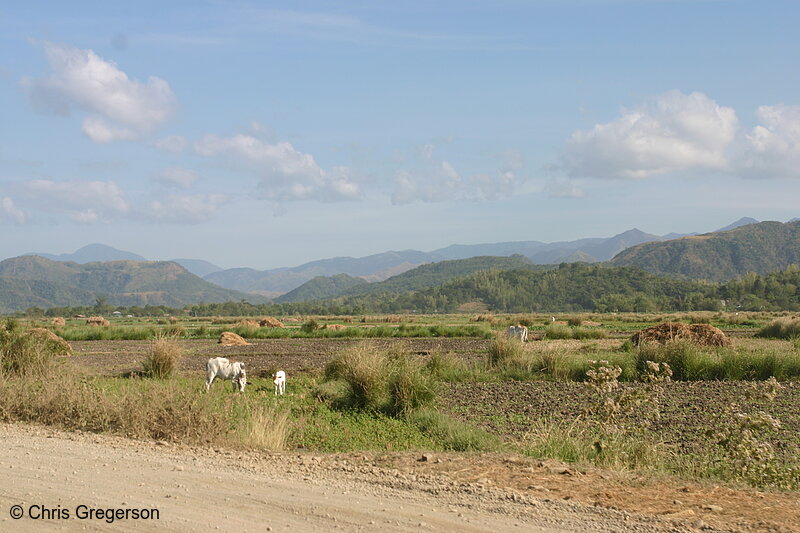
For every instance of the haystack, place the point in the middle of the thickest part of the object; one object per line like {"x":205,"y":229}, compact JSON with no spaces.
{"x":97,"y":321}
{"x":58,"y":321}
{"x":700,"y":334}
{"x":270,"y":322}
{"x":246,"y":324}
{"x":56,"y":343}
{"x":336,"y":327}
{"x":229,"y":338}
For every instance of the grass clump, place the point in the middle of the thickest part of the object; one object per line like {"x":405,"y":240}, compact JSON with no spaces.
{"x":448,"y":367}
{"x":504,"y":351}
{"x":266,"y":427}
{"x":365,"y":371}
{"x":392,"y":382}
{"x":781,"y":328}
{"x":558,"y":331}
{"x":452,"y":434}
{"x":23,"y":354}
{"x":163,"y":358}
{"x":690,"y":362}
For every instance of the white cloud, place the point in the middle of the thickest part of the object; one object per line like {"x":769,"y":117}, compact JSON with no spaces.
{"x":442,"y":183}
{"x":563,"y":189}
{"x":178,"y":177}
{"x":286,"y":174}
{"x":184,"y":209}
{"x":82,"y":201}
{"x":674,"y":132}
{"x":173,"y":143}
{"x":772,"y":149}
{"x":12,"y":212}
{"x":119,"y":108}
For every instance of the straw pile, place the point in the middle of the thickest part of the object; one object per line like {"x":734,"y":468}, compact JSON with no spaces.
{"x":700,"y":334}
{"x":246,"y":324}
{"x":270,"y":322}
{"x":58,"y":321}
{"x":229,"y":338}
{"x":336,"y":327}
{"x":97,"y":321}
{"x":56,"y":343}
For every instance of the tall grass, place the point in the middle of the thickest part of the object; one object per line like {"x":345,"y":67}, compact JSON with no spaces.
{"x":162,"y":359}
{"x":26,"y":355}
{"x":112,"y":333}
{"x":504,"y":351}
{"x":393,"y":382}
{"x":365,"y":370}
{"x":690,"y":362}
{"x":411,"y":387}
{"x":557,"y":331}
{"x":580,"y":442}
{"x":138,"y":408}
{"x":266,"y":427}
{"x":781,"y":328}
{"x":452,"y":434}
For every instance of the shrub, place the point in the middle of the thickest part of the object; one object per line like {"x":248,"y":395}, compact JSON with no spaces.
{"x":163,"y":357}
{"x":574,"y":321}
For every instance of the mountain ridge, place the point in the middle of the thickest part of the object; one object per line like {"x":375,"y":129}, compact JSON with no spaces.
{"x":28,"y":281}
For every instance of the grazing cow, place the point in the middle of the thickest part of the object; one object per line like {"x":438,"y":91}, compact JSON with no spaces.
{"x":219,"y":367}
{"x":279,"y":379}
{"x":517,"y":332}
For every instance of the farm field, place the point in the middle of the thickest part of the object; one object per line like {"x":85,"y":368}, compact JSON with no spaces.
{"x":262,"y":356}
{"x":526,"y":421}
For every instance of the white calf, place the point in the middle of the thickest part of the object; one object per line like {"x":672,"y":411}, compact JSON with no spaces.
{"x":279,"y":379}
{"x":219,"y":367}
{"x":517,"y":332}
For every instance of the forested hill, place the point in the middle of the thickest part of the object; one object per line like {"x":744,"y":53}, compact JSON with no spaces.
{"x":566,"y":287}
{"x":577,"y":287}
{"x":321,"y":287}
{"x":30,"y":281}
{"x":434,"y":274}
{"x":761,"y":248}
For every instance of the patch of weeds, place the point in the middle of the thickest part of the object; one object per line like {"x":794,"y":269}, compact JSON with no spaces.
{"x":744,"y":438}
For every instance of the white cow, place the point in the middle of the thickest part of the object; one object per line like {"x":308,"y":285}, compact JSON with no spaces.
{"x":517,"y":332}
{"x":219,"y":367}
{"x":279,"y":379}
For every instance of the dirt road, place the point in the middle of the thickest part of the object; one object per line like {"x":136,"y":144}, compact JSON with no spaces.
{"x":49,"y":473}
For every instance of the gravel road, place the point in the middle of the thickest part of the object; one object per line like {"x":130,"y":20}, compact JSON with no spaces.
{"x":47,"y":471}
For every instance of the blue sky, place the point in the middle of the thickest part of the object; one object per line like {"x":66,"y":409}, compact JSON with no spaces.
{"x":268,"y":134}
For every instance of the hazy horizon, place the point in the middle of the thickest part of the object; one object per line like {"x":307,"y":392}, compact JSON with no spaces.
{"x":271,"y":134}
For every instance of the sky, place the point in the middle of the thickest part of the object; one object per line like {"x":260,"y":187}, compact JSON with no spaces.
{"x":269,"y":134}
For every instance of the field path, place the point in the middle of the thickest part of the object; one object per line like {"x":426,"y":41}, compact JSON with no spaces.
{"x":199,"y":489}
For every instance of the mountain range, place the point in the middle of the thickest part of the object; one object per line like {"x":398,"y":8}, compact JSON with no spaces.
{"x":348,"y":275}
